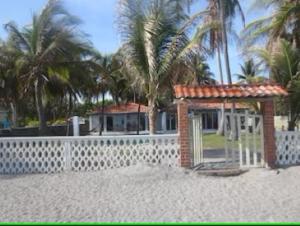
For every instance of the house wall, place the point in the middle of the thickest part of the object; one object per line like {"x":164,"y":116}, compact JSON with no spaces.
{"x":166,"y":123}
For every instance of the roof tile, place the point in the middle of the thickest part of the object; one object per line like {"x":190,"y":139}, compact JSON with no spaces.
{"x":229,"y":91}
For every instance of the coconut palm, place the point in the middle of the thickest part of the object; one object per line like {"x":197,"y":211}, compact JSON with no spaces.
{"x":213,"y":35}
{"x":154,"y":40}
{"x":199,"y":73}
{"x":48,"y":46}
{"x":284,"y":22}
{"x":249,"y":73}
{"x":284,"y":67}
{"x":9,"y":82}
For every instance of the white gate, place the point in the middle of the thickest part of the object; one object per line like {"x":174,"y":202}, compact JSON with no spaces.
{"x":196,"y":139}
{"x":243,"y":142}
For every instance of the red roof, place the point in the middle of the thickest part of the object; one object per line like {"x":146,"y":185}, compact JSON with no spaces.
{"x":229,"y":91}
{"x":123,"y":108}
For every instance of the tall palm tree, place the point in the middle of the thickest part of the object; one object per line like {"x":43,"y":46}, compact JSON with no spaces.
{"x":213,"y":35}
{"x":49,"y":45}
{"x":154,"y":40}
{"x":228,"y":10}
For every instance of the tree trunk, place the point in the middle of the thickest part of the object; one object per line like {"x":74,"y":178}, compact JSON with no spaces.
{"x":14,"y":110}
{"x":101,"y":120}
{"x":224,"y":39}
{"x":222,"y":121}
{"x":227,"y":64}
{"x":152,"y":116}
{"x":291,"y":126}
{"x":220,"y":65}
{"x":40,"y":108}
{"x":138,"y":119}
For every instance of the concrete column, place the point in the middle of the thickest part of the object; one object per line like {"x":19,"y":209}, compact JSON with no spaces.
{"x":76,"y":126}
{"x":269,"y":133}
{"x":183,"y":130}
{"x":90,"y":122}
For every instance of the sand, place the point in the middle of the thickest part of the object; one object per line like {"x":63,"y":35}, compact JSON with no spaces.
{"x":156,"y":194}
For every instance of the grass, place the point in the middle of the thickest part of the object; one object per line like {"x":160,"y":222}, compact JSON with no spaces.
{"x":214,"y":141}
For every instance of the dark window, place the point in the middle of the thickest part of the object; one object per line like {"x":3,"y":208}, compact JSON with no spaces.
{"x":142,"y":122}
{"x":204,"y":121}
{"x":209,"y":120}
{"x":109,"y":123}
{"x":215,"y":120}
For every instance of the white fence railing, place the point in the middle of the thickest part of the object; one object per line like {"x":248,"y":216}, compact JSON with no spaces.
{"x":287,"y":148}
{"x":57,"y":154}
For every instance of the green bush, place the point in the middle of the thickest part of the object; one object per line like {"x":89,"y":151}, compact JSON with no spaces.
{"x":32,"y":123}
{"x":58,"y":122}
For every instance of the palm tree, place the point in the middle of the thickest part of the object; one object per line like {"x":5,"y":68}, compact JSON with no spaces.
{"x":48,"y":46}
{"x":9,"y":82}
{"x":154,"y":40}
{"x":199,"y":72}
{"x":228,"y":10}
{"x":283,"y":23}
{"x":213,"y":35}
{"x":284,"y":67}
{"x":249,"y":73}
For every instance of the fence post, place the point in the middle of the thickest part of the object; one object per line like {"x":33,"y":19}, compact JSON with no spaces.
{"x":68,"y":158}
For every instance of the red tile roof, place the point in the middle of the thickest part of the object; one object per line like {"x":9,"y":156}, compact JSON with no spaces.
{"x":229,"y":91}
{"x":123,"y":108}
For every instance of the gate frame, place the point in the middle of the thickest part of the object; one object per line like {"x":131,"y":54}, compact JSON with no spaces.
{"x":186,"y":99}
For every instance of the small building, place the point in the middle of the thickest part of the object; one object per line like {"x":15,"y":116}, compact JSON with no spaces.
{"x":122,"y":119}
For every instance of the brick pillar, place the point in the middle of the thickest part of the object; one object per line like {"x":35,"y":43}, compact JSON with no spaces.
{"x":183,"y":130}
{"x":269,"y":133}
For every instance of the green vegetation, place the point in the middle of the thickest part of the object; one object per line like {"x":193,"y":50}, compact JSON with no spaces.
{"x":214,"y":141}
{"x":50,"y":70}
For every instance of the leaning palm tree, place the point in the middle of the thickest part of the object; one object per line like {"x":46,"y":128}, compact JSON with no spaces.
{"x":282,"y":23}
{"x":49,"y":45}
{"x":154,"y":40}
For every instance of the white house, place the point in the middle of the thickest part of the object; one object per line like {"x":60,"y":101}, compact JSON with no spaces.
{"x":123,"y":118}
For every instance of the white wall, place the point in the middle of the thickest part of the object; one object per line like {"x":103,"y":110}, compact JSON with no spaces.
{"x":282,"y":122}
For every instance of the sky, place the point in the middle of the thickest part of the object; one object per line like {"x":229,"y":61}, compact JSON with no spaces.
{"x":99,"y":21}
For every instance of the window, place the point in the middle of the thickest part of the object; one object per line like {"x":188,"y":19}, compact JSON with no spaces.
{"x":132,"y":122}
{"x":115,"y":123}
{"x":109,"y":123}
{"x":171,"y":121}
{"x":210,"y":120}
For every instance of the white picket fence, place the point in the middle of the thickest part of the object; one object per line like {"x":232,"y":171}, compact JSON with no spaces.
{"x":287,"y":148}
{"x":57,"y":154}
